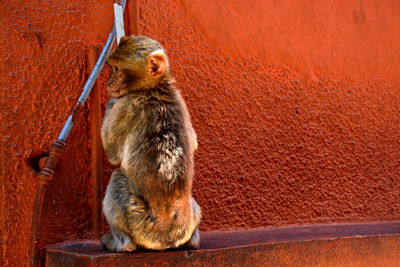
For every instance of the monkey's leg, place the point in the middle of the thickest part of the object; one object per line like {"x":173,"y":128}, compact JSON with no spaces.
{"x":118,"y":195}
{"x":194,"y":241}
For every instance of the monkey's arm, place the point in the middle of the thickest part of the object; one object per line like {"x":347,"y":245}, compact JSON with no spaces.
{"x":110,"y":137}
{"x":191,"y":134}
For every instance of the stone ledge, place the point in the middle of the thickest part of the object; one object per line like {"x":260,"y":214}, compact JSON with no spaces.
{"x":361,"y":244}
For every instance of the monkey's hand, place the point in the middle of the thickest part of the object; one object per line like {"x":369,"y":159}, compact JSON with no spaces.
{"x":110,"y":103}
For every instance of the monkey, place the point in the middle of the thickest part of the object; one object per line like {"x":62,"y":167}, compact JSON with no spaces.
{"x":147,"y":130}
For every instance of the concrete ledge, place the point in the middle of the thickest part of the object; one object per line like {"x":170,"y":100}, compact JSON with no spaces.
{"x":366,"y":244}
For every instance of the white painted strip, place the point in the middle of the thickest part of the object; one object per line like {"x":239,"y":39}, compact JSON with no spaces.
{"x":119,"y":21}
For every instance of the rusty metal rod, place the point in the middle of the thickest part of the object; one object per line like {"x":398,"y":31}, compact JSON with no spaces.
{"x":57,"y":147}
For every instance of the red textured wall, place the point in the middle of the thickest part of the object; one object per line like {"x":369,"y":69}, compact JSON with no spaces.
{"x":296,"y":107}
{"x":44,"y":51}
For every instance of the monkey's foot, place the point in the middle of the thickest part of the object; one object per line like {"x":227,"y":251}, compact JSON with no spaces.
{"x":124,"y":243}
{"x":194,"y":241}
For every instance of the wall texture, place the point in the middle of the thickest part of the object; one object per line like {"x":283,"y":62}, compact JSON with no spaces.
{"x":296,"y":107}
{"x":43,"y":51}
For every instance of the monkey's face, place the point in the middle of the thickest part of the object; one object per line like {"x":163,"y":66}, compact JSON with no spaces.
{"x":117,"y":82}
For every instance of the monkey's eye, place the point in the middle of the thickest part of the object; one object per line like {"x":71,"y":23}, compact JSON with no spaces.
{"x":115,"y":68}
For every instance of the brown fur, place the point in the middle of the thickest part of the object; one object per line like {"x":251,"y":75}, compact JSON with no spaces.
{"x":147,"y":130}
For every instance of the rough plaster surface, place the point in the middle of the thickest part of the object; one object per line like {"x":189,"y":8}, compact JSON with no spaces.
{"x":43,"y":51}
{"x":295,"y":125}
{"x":311,"y":141}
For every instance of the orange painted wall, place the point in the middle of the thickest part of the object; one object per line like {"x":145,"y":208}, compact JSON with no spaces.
{"x":44,"y":62}
{"x":296,"y":107}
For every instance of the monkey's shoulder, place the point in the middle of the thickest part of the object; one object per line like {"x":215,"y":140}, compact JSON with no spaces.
{"x":139,"y":108}
{"x":149,"y":97}
{"x":154,"y":102}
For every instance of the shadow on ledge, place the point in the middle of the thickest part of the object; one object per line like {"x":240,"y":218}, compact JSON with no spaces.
{"x":361,"y":244}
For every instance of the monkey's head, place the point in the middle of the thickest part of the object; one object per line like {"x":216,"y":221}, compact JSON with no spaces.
{"x":138,"y":63}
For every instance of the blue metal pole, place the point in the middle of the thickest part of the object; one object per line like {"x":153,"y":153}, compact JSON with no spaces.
{"x":89,"y":84}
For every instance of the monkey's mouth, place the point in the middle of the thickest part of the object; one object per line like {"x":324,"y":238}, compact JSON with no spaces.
{"x":114,"y":90}
{"x":117,"y":91}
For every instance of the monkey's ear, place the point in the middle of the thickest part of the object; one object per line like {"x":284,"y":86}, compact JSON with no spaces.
{"x":156,"y":63}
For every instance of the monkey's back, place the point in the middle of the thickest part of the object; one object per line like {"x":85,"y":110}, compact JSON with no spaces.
{"x":152,"y":126}
{"x":157,"y":158}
